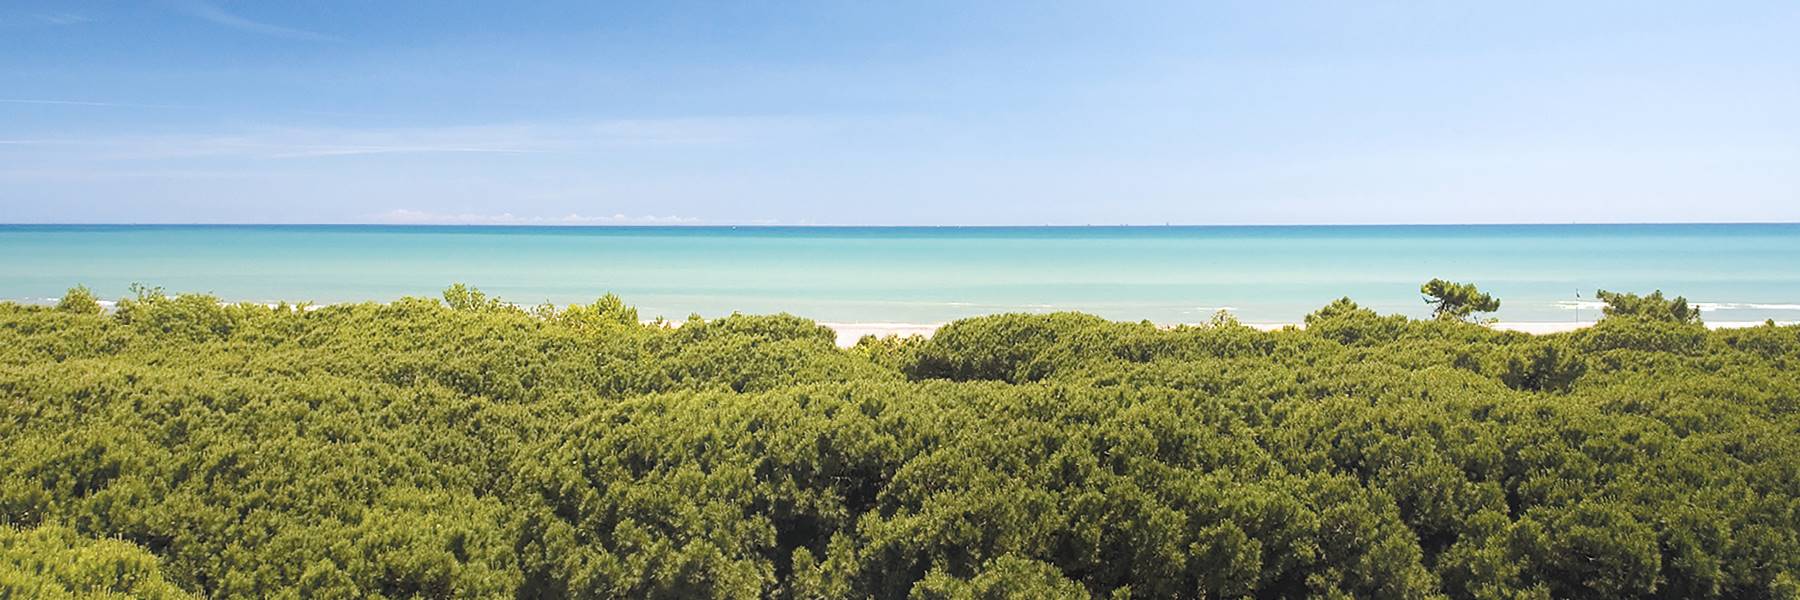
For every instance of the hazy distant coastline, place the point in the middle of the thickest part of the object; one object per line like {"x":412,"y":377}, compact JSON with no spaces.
{"x":849,"y":333}
{"x":919,"y":276}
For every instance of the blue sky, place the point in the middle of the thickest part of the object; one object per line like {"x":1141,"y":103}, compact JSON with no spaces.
{"x":899,"y":112}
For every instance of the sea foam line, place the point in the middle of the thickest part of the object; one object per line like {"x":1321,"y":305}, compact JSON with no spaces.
{"x":1703,"y":306}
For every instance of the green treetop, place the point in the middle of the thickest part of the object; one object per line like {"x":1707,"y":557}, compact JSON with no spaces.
{"x":1652,"y":307}
{"x":1456,"y":301}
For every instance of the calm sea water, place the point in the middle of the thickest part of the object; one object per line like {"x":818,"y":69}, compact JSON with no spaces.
{"x":930,"y":275}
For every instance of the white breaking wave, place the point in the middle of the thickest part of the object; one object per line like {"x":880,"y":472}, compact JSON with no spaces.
{"x":1580,"y":304}
{"x":1711,"y":306}
{"x":1703,"y":306}
{"x":106,"y":304}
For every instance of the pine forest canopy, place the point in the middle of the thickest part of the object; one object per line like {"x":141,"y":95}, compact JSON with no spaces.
{"x":180,"y":447}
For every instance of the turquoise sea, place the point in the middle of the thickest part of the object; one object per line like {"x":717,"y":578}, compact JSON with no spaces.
{"x":923,"y":275}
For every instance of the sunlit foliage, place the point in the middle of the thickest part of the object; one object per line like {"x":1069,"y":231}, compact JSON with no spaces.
{"x":471,"y":448}
{"x":1650,"y":306}
{"x":53,"y":562}
{"x":1456,"y":301}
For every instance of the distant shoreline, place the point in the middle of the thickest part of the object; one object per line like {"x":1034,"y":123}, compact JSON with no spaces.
{"x":902,"y":226}
{"x":849,"y":333}
{"x":926,"y":275}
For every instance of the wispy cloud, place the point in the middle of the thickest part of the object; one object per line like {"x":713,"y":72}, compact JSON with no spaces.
{"x":208,"y":12}
{"x":62,"y":18}
{"x":524,"y":138}
{"x":293,"y":144}
{"x":187,"y":107}
{"x":86,"y":103}
{"x":319,"y":143}
{"x":401,"y":216}
{"x":319,"y":151}
{"x":89,"y":174}
{"x":10,"y":19}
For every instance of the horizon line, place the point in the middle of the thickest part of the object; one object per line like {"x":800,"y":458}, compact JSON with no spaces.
{"x":748,"y":225}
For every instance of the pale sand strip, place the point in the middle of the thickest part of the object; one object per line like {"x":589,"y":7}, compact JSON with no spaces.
{"x":849,"y":333}
{"x":1541,"y":327}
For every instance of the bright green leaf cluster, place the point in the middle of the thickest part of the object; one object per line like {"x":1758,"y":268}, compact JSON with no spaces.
{"x":1456,"y":301}
{"x":1650,"y":306}
{"x":53,"y":562}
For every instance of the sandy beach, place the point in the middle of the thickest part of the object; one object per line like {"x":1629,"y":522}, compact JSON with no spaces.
{"x":849,"y":333}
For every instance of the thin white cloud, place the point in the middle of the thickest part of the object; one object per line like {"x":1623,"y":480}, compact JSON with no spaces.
{"x":323,"y":143}
{"x":216,"y":15}
{"x":324,"y":151}
{"x":293,"y":144}
{"x":88,"y":174}
{"x":10,"y":19}
{"x":194,"y":107}
{"x":401,"y":216}
{"x":86,"y":103}
{"x":62,"y":18}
